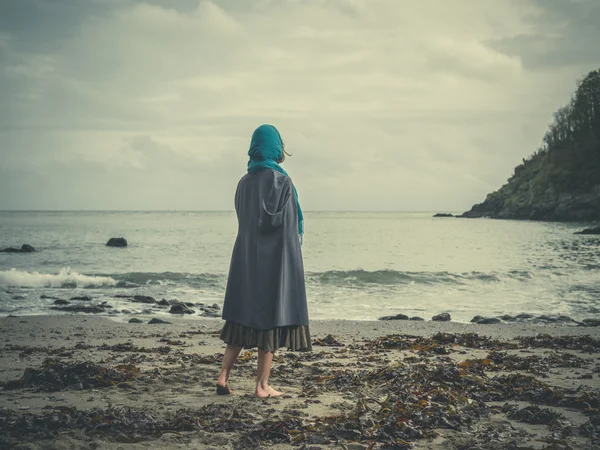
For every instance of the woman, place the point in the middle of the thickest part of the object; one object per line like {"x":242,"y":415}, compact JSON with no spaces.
{"x":265,"y":302}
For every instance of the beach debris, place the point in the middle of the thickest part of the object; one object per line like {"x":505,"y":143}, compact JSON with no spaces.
{"x":55,"y":375}
{"x":156,"y":320}
{"x":443,"y":317}
{"x":328,"y":341}
{"x":117,"y":242}
{"x":25,"y":248}
{"x":131,"y":347}
{"x":396,"y":317}
{"x":180,"y":308}
{"x":533,"y":414}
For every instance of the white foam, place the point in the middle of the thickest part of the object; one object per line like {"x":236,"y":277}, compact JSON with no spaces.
{"x":64,"y":278}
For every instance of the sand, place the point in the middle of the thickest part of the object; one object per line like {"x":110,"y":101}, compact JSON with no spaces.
{"x":172,"y":370}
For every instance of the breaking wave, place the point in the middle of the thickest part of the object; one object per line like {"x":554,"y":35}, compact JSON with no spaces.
{"x":66,"y":278}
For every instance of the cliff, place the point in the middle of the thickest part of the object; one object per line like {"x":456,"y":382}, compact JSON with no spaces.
{"x":561,"y":180}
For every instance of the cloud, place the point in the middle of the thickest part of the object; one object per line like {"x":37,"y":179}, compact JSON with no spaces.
{"x":385,"y":104}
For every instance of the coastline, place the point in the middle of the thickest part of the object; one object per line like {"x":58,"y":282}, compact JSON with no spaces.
{"x":154,"y":376}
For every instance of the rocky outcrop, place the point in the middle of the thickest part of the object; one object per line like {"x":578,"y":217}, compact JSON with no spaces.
{"x":443,"y":215}
{"x":561,"y":180}
{"x":117,"y":242}
{"x":589,"y":231}
{"x":25,"y":248}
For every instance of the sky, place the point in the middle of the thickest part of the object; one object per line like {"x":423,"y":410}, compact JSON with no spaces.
{"x":386,"y":105}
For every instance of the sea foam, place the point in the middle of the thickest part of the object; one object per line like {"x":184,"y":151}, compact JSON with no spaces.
{"x":65,"y":278}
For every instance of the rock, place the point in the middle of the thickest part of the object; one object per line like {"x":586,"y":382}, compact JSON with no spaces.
{"x":59,"y":301}
{"x":83,"y":298}
{"x":18,"y":297}
{"x":48,"y":297}
{"x":443,"y":317}
{"x":443,"y":215}
{"x":25,"y":248}
{"x":589,"y":231}
{"x":180,"y":308}
{"x":591,"y":322}
{"x":155,"y":320}
{"x":396,"y":317}
{"x":476,"y":319}
{"x":164,"y":302}
{"x":117,"y":242}
{"x":190,"y":304}
{"x":489,"y":320}
{"x":210,"y":313}
{"x":524,"y":316}
{"x":507,"y":318}
{"x":416,"y":318}
{"x":143,"y":299}
{"x":215,"y":306}
{"x":135,"y":320}
{"x":93,"y":309}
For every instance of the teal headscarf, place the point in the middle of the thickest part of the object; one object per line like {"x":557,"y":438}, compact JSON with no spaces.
{"x":266,"y":148}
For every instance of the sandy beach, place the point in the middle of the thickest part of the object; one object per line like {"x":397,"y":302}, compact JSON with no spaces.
{"x":92,"y":383}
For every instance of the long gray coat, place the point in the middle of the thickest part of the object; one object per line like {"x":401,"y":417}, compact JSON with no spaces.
{"x":265,"y":288}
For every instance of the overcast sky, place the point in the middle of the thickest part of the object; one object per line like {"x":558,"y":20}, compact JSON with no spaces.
{"x":385,"y":104}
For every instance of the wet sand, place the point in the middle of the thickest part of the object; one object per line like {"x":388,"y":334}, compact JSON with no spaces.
{"x":98,"y":384}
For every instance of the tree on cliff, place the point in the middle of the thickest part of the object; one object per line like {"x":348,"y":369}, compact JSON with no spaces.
{"x":561,"y":180}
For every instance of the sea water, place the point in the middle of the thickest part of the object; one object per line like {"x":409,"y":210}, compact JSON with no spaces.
{"x":358,"y":265}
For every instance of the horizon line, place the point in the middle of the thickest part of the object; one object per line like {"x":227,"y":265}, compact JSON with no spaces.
{"x":226,"y":210}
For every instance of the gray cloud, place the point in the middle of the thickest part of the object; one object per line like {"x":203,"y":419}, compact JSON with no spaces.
{"x":385,"y":104}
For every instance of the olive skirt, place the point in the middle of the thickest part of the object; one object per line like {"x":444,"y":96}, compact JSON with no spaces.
{"x":295,"y":338}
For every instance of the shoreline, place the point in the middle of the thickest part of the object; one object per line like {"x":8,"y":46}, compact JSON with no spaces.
{"x":155,"y":386}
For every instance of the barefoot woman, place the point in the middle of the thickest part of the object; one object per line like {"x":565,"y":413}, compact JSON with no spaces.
{"x":265,"y":301}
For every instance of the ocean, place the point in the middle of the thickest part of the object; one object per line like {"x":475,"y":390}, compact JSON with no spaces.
{"x":358,"y":266}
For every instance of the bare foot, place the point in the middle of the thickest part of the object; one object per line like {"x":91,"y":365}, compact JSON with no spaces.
{"x":266,"y":391}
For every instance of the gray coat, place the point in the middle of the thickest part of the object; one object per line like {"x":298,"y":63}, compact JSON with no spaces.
{"x":265,"y":288}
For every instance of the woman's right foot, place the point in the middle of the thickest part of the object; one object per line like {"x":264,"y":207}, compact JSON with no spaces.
{"x":266,"y":391}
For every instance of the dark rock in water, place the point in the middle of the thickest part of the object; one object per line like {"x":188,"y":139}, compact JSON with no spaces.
{"x":143,"y":299}
{"x":589,"y":231}
{"x":126,"y":311}
{"x":591,"y":322}
{"x":210,"y":313}
{"x":83,"y":298}
{"x":507,"y":318}
{"x":190,"y":304}
{"x":443,"y":215}
{"x":396,"y":317}
{"x":164,"y":302}
{"x":477,"y":319}
{"x":180,"y":308}
{"x":416,"y":318}
{"x":117,"y":242}
{"x":59,"y":301}
{"x":135,"y":320}
{"x":18,"y":297}
{"x":123,"y":296}
{"x":48,"y":297}
{"x":215,"y":306}
{"x":488,"y":320}
{"x":523,"y":316}
{"x":443,"y":317}
{"x":155,"y":320}
{"x":105,"y":305}
{"x":93,"y":309}
{"x":553,"y":319}
{"x":25,"y":248}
